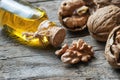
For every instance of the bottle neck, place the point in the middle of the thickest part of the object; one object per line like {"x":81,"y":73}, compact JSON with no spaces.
{"x":55,"y":34}
{"x":46,"y":25}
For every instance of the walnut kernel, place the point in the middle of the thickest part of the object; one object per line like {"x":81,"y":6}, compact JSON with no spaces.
{"x":78,"y":51}
{"x":73,"y":14}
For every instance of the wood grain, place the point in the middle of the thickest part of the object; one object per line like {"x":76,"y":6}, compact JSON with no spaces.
{"x":20,"y":62}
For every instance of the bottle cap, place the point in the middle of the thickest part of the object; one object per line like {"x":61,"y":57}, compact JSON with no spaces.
{"x":57,"y":36}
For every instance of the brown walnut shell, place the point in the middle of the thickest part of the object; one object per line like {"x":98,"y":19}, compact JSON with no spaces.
{"x":69,"y":17}
{"x":103,"y":3}
{"x":101,"y":23}
{"x":112,"y":49}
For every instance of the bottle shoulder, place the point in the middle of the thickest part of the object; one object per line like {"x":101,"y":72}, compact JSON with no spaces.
{"x":22,"y":9}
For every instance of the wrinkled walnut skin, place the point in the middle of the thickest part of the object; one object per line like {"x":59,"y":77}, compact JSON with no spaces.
{"x":78,"y":51}
{"x":69,"y":19}
{"x":103,"y":3}
{"x":74,"y":21}
{"x":71,"y":57}
{"x":112,"y":49}
{"x":101,"y":23}
{"x":62,"y":50}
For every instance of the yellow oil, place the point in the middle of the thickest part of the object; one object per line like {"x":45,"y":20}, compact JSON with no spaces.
{"x":16,"y":25}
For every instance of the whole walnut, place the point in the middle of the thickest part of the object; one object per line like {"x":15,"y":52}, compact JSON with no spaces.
{"x":112,"y":49}
{"x":103,"y":3}
{"x":103,"y":21}
{"x":73,"y":14}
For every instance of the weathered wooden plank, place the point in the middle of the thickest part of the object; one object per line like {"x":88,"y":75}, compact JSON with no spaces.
{"x":23,"y":62}
{"x":27,"y":63}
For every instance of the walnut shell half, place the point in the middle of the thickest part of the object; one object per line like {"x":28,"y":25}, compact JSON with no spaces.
{"x":101,"y":23}
{"x":112,"y":49}
{"x":73,"y":14}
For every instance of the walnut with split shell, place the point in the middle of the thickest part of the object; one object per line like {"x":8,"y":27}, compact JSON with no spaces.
{"x":103,"y":3}
{"x":103,"y":21}
{"x":112,"y":49}
{"x":73,"y":14}
{"x":78,"y":51}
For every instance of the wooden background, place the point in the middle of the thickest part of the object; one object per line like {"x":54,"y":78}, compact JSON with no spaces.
{"x":20,"y":62}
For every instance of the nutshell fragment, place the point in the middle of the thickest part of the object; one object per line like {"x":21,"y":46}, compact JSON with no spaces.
{"x":112,"y":49}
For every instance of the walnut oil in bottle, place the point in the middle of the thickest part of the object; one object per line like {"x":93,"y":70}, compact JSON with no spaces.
{"x":17,"y":17}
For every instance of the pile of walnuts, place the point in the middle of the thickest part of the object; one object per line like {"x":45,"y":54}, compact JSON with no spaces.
{"x":78,"y":51}
{"x":102,"y":18}
{"x":101,"y":25}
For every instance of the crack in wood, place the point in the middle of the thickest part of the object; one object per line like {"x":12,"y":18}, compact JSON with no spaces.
{"x":98,"y":50}
{"x":1,"y":67}
{"x":40,"y":1}
{"x":8,"y":58}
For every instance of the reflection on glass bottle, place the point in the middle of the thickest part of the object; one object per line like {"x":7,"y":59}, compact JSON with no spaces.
{"x":18,"y":17}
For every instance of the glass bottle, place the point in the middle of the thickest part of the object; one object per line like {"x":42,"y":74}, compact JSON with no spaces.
{"x":20,"y":18}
